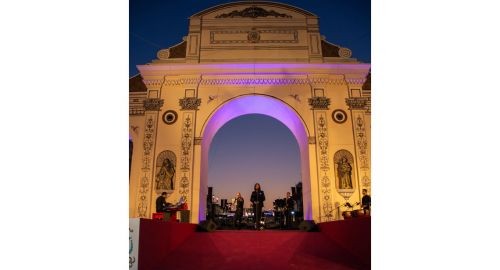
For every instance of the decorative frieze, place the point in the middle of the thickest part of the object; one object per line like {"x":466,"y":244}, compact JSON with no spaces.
{"x":366,"y":182}
{"x":182,"y":81}
{"x":186,"y":149}
{"x":189,"y":103}
{"x":152,"y":83}
{"x":334,"y":81}
{"x":253,"y":12}
{"x":153,"y":104}
{"x":355,"y":81}
{"x":361,"y":142}
{"x":144,"y":185}
{"x":142,"y":207}
{"x":186,"y":141}
{"x":254,"y":36}
{"x":148,"y":135}
{"x":319,"y":103}
{"x":322,"y":133}
{"x":326,"y":194}
{"x":184,"y":186}
{"x":322,"y":142}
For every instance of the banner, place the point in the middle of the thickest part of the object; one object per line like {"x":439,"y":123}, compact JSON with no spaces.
{"x":133,"y":240}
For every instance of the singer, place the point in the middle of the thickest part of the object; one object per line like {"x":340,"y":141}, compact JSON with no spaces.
{"x":257,"y":198}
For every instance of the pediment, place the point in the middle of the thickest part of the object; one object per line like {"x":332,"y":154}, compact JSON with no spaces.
{"x":253,"y":10}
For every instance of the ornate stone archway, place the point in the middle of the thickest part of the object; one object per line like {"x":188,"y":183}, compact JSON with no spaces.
{"x":247,"y":57}
{"x":255,"y":104}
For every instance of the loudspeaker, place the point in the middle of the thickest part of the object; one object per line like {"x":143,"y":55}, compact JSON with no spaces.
{"x":308,"y":226}
{"x":207,"y":226}
{"x":184,"y":216}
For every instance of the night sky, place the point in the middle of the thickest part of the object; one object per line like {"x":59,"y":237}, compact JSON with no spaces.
{"x":251,"y":148}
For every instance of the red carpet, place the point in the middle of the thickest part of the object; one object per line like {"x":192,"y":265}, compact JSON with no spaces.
{"x":354,"y":235}
{"x":271,"y":249}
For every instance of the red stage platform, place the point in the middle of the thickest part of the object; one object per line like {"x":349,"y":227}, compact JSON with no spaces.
{"x":339,"y":245}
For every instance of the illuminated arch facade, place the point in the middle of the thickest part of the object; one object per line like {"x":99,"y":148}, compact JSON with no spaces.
{"x":252,"y":57}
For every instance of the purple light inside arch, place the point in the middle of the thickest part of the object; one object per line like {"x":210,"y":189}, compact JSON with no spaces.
{"x":256,"y":104}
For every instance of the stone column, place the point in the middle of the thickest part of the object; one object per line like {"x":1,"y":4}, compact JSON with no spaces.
{"x":152,"y":106}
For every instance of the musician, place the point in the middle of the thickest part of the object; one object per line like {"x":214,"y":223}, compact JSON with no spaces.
{"x":289,"y":203}
{"x":239,"y":201}
{"x":161,"y":203}
{"x":366,"y":202}
{"x":257,"y":198}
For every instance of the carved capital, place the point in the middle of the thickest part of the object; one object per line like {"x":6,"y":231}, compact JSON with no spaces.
{"x":189,"y":103}
{"x":197,"y":140}
{"x":319,"y":103}
{"x":357,"y":103}
{"x":153,"y":104}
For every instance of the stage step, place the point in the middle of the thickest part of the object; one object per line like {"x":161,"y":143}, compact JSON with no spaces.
{"x":240,"y":250}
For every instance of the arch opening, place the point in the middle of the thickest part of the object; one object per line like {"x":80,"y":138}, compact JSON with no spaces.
{"x":254,"y":148}
{"x":256,"y":104}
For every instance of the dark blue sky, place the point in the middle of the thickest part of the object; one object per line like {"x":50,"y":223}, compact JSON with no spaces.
{"x":159,"y":24}
{"x":249,"y":149}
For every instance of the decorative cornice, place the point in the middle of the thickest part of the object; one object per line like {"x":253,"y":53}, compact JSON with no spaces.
{"x":183,"y":81}
{"x":357,"y":103}
{"x":153,"y":104}
{"x":152,"y":83}
{"x":319,"y":103}
{"x":253,"y":12}
{"x":352,"y":81}
{"x":254,"y":81}
{"x":326,"y":81}
{"x":189,"y":103}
